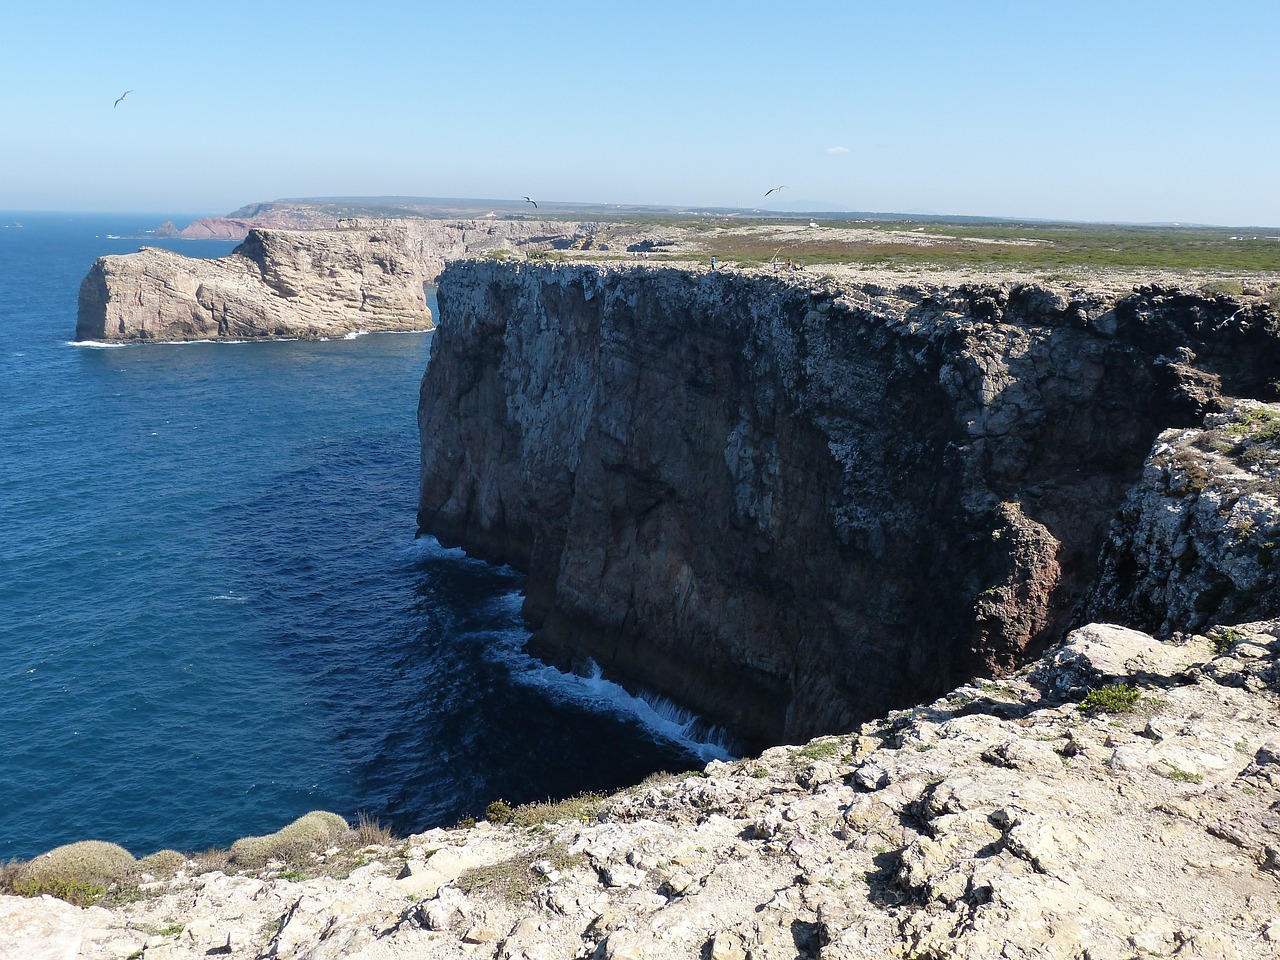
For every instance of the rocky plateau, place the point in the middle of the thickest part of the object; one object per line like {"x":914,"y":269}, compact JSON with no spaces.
{"x":1036,"y":816}
{"x":362,"y":276}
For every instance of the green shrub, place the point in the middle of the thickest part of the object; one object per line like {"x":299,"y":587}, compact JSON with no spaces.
{"x":81,"y":893}
{"x":79,"y":873}
{"x":1117,"y":698}
{"x":1224,"y":639}
{"x":1230,"y":288}
{"x":293,"y":844}
{"x":498,"y":812}
{"x":1183,"y":776}
{"x":162,"y":863}
{"x":818,"y":750}
{"x":583,"y":808}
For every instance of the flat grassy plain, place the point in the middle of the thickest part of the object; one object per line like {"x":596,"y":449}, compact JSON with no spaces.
{"x":1012,"y":245}
{"x":1036,"y":246}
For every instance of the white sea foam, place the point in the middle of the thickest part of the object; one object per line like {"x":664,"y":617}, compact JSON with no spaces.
{"x":662,"y":717}
{"x":659,"y":715}
{"x":428,"y":547}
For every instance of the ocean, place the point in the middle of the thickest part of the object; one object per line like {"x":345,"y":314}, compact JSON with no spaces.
{"x":214,"y":613}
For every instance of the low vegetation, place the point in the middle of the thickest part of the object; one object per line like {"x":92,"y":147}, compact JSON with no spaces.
{"x":1225,"y":639}
{"x":314,"y":831}
{"x":817,"y":750}
{"x":584,"y":808}
{"x":1051,"y":248}
{"x":93,"y":871}
{"x":516,"y":878}
{"x":1117,"y":698}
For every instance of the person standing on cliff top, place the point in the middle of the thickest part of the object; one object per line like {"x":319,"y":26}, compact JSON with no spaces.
{"x":713,"y":263}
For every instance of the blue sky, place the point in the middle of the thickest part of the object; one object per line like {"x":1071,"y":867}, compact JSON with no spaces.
{"x":1125,"y":110}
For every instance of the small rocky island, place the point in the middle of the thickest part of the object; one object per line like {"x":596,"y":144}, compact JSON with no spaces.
{"x":982,"y":570}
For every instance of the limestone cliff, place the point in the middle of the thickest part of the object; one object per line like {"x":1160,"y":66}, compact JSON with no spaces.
{"x":789,"y":504}
{"x":366,"y":275}
{"x":275,"y":284}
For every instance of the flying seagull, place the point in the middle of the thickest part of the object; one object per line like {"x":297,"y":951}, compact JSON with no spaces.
{"x":534,"y":202}
{"x":121,"y":97}
{"x":783,"y":187}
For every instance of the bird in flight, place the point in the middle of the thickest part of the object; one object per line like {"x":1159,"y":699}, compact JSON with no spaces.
{"x":534,"y":202}
{"x":119,"y":98}
{"x":783,"y":187}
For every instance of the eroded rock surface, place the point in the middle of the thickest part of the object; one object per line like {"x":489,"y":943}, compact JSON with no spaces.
{"x":1195,"y":541}
{"x":366,"y":275}
{"x":792,"y":504}
{"x":999,"y":820}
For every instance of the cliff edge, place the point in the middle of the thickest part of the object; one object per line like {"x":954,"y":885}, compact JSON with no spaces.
{"x":794,"y":504}
{"x":1117,"y":799}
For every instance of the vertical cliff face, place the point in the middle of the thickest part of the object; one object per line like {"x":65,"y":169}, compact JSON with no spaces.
{"x":791,"y":506}
{"x":274,"y":284}
{"x":365,"y":275}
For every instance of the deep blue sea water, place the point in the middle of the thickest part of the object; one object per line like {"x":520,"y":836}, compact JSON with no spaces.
{"x":214,"y":615}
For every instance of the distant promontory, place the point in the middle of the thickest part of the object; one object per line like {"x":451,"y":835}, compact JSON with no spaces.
{"x":363,"y":276}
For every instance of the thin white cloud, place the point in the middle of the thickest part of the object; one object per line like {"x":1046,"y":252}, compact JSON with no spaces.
{"x":837,"y":150}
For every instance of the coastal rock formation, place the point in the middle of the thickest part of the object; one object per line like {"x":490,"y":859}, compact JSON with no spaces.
{"x":1133,"y":816}
{"x":1194,"y":543}
{"x":792,"y":504}
{"x":223,"y":228}
{"x":364,"y":276}
{"x":312,"y":285}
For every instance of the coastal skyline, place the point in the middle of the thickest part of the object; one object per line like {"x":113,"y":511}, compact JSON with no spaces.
{"x":1145,"y":112}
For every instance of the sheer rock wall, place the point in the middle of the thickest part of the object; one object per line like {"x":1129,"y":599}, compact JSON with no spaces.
{"x":791,"y":504}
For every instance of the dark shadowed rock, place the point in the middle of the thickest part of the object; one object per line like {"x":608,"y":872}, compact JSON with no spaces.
{"x":792,"y":505}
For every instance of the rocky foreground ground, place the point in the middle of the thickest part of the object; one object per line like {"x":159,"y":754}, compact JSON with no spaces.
{"x":1119,"y":798}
